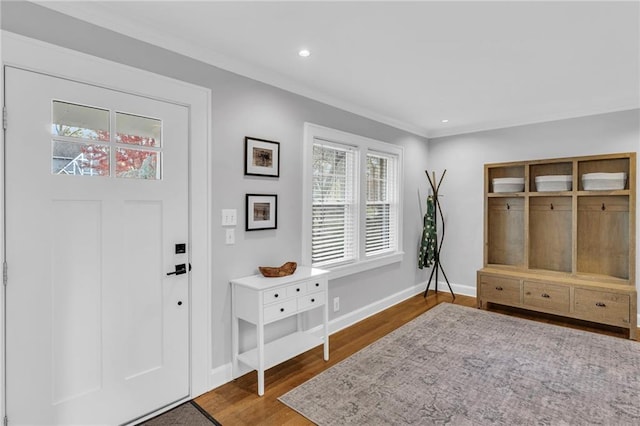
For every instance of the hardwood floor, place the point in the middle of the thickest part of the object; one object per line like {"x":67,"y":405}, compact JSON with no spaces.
{"x":237,"y":403}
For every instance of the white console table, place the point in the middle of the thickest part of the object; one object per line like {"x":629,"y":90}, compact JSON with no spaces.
{"x":260,"y":301}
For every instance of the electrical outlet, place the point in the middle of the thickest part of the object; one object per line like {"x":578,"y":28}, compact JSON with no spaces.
{"x":336,"y":304}
{"x":230,"y":237}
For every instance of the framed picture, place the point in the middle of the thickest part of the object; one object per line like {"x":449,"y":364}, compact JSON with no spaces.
{"x":262,"y":212}
{"x":261,"y":157}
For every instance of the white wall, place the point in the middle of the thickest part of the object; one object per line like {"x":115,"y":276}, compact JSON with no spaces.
{"x":464,"y":157}
{"x":244,"y":107}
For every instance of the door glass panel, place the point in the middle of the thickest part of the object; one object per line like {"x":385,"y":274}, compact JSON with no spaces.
{"x":79,"y":121}
{"x":137,"y":130}
{"x":137,"y":163}
{"x":70,"y":158}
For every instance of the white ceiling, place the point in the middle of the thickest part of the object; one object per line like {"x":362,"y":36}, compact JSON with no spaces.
{"x":481,"y":65}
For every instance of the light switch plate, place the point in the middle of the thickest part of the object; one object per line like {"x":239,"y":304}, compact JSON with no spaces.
{"x":229,"y":217}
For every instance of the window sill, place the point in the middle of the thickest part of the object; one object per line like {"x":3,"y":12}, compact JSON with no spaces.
{"x":363,"y":265}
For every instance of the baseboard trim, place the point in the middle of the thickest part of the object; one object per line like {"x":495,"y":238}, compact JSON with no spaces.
{"x":220,"y":375}
{"x":358,"y":315}
{"x":463,"y":289}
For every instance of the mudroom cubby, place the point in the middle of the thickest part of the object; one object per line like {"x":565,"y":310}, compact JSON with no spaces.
{"x":563,"y":242}
{"x":505,"y":231}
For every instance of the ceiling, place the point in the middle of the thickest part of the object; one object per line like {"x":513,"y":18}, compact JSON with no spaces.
{"x":480,"y":65}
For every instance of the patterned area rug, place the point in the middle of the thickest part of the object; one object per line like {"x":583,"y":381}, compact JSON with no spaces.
{"x":187,"y":414}
{"x":463,"y":366}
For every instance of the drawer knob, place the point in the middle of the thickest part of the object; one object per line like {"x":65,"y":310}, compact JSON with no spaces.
{"x":281,"y":309}
{"x":499,"y":288}
{"x":600,"y":305}
{"x":317,"y":284}
{"x":275,"y":295}
{"x":528,"y":293}
{"x":545,"y":295}
{"x":297,"y":289}
{"x":313,"y":300}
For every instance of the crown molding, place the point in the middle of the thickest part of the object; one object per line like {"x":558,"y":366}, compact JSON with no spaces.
{"x":96,"y":14}
{"x":611,"y":107}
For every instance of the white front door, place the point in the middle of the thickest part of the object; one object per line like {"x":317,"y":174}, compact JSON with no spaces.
{"x":96,"y":216}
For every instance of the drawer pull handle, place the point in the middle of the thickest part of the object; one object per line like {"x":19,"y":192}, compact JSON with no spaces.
{"x":281,"y":309}
{"x":545,"y":295}
{"x":313,"y":300}
{"x":499,"y":288}
{"x":600,"y":305}
{"x":528,"y":293}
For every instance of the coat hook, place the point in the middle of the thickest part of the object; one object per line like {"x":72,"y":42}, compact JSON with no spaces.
{"x":604,"y":207}
{"x":551,"y":206}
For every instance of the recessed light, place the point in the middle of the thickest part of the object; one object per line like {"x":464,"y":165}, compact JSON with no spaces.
{"x":445,"y":120}
{"x":304,"y":53}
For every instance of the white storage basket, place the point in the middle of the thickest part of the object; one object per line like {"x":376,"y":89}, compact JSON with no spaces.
{"x":554,"y":183}
{"x":603,"y":181}
{"x":508,"y":184}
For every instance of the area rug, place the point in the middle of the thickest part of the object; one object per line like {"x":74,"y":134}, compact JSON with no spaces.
{"x":187,"y":414}
{"x":463,"y":366}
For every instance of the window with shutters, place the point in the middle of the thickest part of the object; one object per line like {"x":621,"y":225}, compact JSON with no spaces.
{"x":352,"y":212}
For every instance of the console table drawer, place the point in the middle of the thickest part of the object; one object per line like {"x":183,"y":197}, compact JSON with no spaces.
{"x":296,"y":290}
{"x":275,"y":295}
{"x":280,"y":310}
{"x":500,"y":290}
{"x":281,"y":293}
{"x":317,"y":285}
{"x":311,"y":300}
{"x":601,"y":306}
{"x":546,"y":296}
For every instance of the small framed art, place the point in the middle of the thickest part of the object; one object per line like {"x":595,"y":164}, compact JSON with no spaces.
{"x":262,"y":212}
{"x":261,"y":157}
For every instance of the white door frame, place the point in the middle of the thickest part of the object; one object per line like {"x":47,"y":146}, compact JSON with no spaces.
{"x":35,"y":55}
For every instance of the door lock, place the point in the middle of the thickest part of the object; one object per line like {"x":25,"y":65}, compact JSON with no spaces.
{"x":180,"y":269}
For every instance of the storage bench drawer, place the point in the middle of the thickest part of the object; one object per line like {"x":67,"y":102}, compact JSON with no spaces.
{"x":500,"y":290}
{"x":601,"y":306}
{"x":546,"y":296}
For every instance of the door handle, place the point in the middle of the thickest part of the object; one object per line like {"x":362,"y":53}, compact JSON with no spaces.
{"x":180,"y":269}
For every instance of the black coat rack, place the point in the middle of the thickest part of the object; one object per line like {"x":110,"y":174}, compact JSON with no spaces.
{"x":437,"y":266}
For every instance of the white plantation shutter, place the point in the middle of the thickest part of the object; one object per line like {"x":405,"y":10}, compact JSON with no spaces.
{"x":382,"y":204}
{"x":335,"y":210}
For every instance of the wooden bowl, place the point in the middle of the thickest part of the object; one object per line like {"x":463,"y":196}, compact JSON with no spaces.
{"x":280,"y":271}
